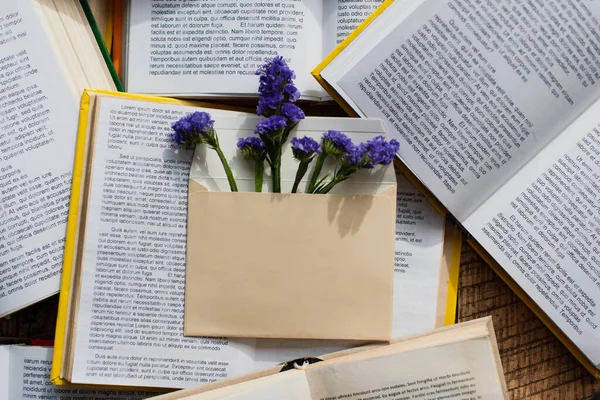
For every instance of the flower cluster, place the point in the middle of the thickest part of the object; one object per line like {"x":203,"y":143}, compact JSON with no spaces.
{"x":352,"y":158}
{"x":194,"y":129}
{"x":277,"y":95}
{"x":276,"y":87}
{"x":277,"y":98}
{"x":304,"y":148}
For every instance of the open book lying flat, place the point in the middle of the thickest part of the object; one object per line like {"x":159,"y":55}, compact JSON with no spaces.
{"x":48,"y":55}
{"x":209,"y":48}
{"x":120,"y":319}
{"x":458,"y":362}
{"x":497,"y":110}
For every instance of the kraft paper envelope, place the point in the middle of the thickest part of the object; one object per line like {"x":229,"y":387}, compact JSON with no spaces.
{"x":281,"y":265}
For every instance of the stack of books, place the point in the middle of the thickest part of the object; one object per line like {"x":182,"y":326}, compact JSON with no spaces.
{"x":495,"y":108}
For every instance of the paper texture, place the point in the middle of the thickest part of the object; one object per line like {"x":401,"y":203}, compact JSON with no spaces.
{"x":305,"y":266}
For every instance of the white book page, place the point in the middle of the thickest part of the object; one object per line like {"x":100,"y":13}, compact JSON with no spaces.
{"x":4,"y":373}
{"x":463,"y":370}
{"x":38,"y":124}
{"x":473,"y":89}
{"x":419,"y":243}
{"x":341,"y":17}
{"x":419,"y":246}
{"x":130,"y":318}
{"x":30,"y":379}
{"x":543,"y":228}
{"x":290,"y":385}
{"x":211,"y":47}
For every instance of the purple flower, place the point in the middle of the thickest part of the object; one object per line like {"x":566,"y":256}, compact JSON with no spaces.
{"x":380,"y":152}
{"x":304,"y":148}
{"x":292,"y":92}
{"x":292,"y":112}
{"x":355,"y":155}
{"x":275,"y":84}
{"x":270,"y":125}
{"x":269,"y":103}
{"x":193,"y":129}
{"x":251,"y":147}
{"x":335,"y":143}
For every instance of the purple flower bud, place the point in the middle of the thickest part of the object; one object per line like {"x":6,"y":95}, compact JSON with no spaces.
{"x":251,"y":147}
{"x":275,"y":82}
{"x":269,"y":126}
{"x":292,"y":112}
{"x":336,"y":143}
{"x":304,"y":148}
{"x":193,"y":129}
{"x":380,"y":152}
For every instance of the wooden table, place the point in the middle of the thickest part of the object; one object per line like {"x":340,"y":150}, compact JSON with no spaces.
{"x":536,"y":364}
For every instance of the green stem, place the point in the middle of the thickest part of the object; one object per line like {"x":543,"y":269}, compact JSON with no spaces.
{"x":230,"y":177}
{"x":276,"y":171}
{"x":328,"y":187}
{"x":318,"y":167}
{"x":259,"y":170}
{"x":302,"y":168}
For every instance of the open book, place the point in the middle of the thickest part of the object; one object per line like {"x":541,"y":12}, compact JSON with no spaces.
{"x":497,"y":108}
{"x":25,"y":373}
{"x":48,"y":54}
{"x":121,"y":306}
{"x":212,"y":48}
{"x":459,"y":362}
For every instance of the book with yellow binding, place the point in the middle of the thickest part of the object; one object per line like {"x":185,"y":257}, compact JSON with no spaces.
{"x":121,"y":304}
{"x":500,"y":126}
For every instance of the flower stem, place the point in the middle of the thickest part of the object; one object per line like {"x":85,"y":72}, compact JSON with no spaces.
{"x":318,"y":167}
{"x":230,"y":177}
{"x":325,"y":189}
{"x":276,"y":170}
{"x":259,"y":170}
{"x":302,"y":168}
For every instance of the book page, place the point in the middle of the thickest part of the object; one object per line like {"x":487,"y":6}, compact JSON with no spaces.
{"x":38,"y":122}
{"x":4,"y":372}
{"x":543,"y":228}
{"x":212,"y":47}
{"x":473,"y":90}
{"x":130,"y":318}
{"x":460,"y":371}
{"x":419,"y":243}
{"x":30,"y":379}
{"x":341,"y":17}
{"x":290,"y":385}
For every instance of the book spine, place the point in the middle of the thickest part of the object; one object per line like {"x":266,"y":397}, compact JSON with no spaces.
{"x":98,"y":36}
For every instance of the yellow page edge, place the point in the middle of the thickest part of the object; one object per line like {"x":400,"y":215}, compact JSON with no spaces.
{"x":65,"y":284}
{"x":453,"y":275}
{"x":560,"y":335}
{"x":316,"y":72}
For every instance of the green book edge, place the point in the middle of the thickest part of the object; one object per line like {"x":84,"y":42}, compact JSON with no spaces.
{"x":105,"y":54}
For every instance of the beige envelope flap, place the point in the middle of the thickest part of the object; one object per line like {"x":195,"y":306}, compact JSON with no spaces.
{"x":290,"y":266}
